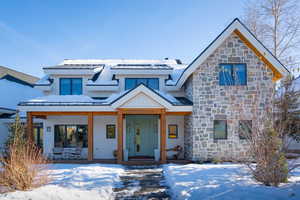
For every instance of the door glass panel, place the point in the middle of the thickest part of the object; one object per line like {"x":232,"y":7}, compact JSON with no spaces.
{"x":138,"y":140}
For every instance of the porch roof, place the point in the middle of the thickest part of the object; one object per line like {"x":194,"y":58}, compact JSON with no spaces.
{"x":111,"y":103}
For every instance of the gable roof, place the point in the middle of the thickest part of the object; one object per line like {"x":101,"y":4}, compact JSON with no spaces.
{"x":237,"y":27}
{"x":164,"y":99}
{"x":7,"y":72}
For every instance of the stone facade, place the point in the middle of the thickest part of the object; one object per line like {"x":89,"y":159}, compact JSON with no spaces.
{"x":231,"y":103}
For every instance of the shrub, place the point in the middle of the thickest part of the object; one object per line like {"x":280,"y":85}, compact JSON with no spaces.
{"x":23,"y":165}
{"x":271,"y":165}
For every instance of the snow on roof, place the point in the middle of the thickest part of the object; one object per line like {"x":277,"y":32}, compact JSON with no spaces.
{"x":116,"y":61}
{"x":105,"y":77}
{"x":176,"y":73}
{"x":71,"y":100}
{"x":62,"y":98}
{"x":13,"y":93}
{"x":142,"y":66}
{"x":168,"y":97}
{"x":44,"y":81}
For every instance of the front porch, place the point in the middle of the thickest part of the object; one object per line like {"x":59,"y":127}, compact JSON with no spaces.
{"x":98,"y":128}
{"x":101,"y":149}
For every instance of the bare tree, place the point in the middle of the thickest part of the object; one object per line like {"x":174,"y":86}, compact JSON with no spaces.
{"x":276,"y":23}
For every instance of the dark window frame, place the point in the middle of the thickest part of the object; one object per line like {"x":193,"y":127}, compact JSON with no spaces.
{"x":226,"y":130}
{"x":232,"y":74}
{"x":242,"y":137}
{"x":114,"y":128}
{"x":176,"y":134}
{"x":85,"y":144}
{"x":147,"y":80}
{"x":71,"y":85}
{"x":39,"y":137}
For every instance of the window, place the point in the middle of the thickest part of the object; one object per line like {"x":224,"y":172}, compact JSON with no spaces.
{"x":70,"y":136}
{"x":233,"y":74}
{"x":131,"y":83}
{"x":70,"y":86}
{"x":173,"y":131}
{"x":220,"y":129}
{"x":110,"y":131}
{"x":245,"y":129}
{"x":38,"y":135}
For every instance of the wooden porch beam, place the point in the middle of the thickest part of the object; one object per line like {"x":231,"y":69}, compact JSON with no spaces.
{"x":58,"y":113}
{"x":178,"y":113}
{"x":90,"y":136}
{"x":120,"y":138}
{"x":163,"y":155}
{"x":29,"y":126}
{"x":44,"y":114}
{"x":136,"y":111}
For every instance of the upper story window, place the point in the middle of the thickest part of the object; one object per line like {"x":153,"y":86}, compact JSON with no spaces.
{"x":70,"y":86}
{"x":133,"y":82}
{"x":233,"y":74}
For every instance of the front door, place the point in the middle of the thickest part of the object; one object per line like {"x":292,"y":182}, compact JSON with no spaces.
{"x":141,"y":135}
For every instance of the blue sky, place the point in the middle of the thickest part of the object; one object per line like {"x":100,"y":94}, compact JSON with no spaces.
{"x":35,"y":33}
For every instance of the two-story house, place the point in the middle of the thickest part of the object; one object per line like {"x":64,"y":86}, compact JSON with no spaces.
{"x":141,"y":108}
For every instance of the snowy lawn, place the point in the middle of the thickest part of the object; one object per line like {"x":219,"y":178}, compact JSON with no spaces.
{"x":74,"y":181}
{"x":224,"y":181}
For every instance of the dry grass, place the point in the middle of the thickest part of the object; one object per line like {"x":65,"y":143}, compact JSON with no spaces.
{"x":23,"y":167}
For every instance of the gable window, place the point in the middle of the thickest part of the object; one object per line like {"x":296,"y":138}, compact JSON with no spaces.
{"x":70,"y":86}
{"x":110,"y":131}
{"x":173,"y":131}
{"x":245,"y":129}
{"x":233,"y":74}
{"x":220,"y":129}
{"x":131,"y":83}
{"x":70,"y":136}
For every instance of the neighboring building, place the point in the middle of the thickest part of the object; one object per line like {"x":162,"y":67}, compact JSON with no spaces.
{"x":14,"y":87}
{"x":293,"y":144}
{"x":140,"y":108}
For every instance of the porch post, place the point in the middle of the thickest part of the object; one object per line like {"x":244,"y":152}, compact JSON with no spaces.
{"x":90,"y":136}
{"x":163,"y":156}
{"x":120,"y":137}
{"x":29,"y":126}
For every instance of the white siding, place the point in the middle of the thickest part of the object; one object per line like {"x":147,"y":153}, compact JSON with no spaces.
{"x":141,"y":101}
{"x":103,"y":147}
{"x":179,"y":120}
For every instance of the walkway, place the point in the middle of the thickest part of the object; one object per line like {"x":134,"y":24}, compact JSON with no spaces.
{"x":142,"y":182}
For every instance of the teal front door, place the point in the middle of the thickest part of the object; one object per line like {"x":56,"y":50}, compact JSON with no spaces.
{"x":141,"y":135}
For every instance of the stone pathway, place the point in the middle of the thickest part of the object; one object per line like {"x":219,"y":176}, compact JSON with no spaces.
{"x":142,"y":182}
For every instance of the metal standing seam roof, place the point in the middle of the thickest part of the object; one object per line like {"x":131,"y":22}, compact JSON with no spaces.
{"x":180,"y":101}
{"x":143,"y":66}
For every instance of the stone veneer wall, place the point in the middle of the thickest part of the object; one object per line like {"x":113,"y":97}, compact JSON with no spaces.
{"x":188,"y":122}
{"x":212,"y":102}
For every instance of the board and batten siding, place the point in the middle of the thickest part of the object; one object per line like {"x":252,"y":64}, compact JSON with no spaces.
{"x":171,"y":143}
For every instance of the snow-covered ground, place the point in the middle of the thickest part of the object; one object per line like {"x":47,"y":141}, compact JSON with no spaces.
{"x":74,"y":181}
{"x":224,"y":181}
